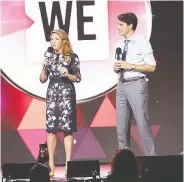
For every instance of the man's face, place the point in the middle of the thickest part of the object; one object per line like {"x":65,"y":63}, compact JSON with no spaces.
{"x":123,"y":28}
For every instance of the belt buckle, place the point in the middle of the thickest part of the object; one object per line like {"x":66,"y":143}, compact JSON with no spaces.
{"x":131,"y":79}
{"x":127,"y":80}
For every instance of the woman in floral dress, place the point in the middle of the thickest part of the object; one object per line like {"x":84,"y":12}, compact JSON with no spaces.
{"x":62,"y":69}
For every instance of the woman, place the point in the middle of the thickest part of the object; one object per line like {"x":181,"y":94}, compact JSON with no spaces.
{"x":124,"y":167}
{"x":62,"y":69}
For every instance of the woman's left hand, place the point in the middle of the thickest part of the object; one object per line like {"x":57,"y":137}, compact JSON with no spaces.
{"x":65,"y":74}
{"x":63,"y":71}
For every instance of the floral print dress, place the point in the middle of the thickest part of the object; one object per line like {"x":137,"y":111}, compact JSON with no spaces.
{"x":61,"y":96}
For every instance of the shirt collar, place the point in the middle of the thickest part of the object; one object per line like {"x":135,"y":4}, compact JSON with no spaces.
{"x":59,"y":55}
{"x":132,"y":38}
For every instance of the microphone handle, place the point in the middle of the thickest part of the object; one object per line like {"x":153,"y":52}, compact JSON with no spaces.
{"x":45,"y":66}
{"x":119,"y":57}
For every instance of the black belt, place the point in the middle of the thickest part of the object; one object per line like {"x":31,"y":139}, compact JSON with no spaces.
{"x":60,"y":79}
{"x":133,"y":79}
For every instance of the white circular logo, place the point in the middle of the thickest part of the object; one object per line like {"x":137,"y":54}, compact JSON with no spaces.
{"x":92,"y":29}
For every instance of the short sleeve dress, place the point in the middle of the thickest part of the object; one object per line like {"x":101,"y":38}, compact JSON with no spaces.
{"x":61,"y":95}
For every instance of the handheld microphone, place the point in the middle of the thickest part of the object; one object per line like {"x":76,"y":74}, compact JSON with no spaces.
{"x":118,"y":54}
{"x":48,"y":55}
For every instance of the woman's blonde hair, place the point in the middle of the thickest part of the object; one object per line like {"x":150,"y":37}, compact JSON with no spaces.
{"x":66,"y":45}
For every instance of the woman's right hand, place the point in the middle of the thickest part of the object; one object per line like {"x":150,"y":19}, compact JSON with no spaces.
{"x":45,"y":64}
{"x":43,"y":74}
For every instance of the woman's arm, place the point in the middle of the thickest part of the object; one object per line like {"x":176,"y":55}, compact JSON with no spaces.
{"x":75,"y":75}
{"x":43,"y":76}
{"x":73,"y":78}
{"x":44,"y":72}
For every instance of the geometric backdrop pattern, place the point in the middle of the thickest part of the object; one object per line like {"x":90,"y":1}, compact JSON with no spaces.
{"x":28,"y":118}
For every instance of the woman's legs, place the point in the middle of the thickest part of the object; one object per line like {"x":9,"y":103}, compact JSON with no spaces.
{"x":51,"y":142}
{"x":68,"y":142}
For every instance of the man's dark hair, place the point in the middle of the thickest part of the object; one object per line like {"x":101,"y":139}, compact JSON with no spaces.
{"x":129,"y":18}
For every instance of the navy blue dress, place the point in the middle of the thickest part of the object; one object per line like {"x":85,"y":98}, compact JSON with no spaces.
{"x":61,"y":95}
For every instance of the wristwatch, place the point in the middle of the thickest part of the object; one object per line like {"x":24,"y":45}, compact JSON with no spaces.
{"x":133,"y":66}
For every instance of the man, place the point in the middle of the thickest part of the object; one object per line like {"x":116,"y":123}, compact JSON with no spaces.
{"x":132,"y":88}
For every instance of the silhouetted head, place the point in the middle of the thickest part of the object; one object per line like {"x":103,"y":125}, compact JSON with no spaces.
{"x":125,"y":164}
{"x":39,"y":173}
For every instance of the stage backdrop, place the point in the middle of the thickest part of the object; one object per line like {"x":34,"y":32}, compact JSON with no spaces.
{"x":92,"y":29}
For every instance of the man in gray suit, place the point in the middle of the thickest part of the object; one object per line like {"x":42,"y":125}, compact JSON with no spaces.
{"x":132,"y":88}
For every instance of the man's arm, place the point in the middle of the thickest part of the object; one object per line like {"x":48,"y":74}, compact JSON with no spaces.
{"x":150,"y":63}
{"x":145,"y":68}
{"x":140,"y":68}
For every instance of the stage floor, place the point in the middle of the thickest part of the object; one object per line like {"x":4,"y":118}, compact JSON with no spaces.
{"x":154,"y":168}
{"x":59,"y":173}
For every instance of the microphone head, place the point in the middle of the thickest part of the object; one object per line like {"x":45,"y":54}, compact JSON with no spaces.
{"x":50,"y":49}
{"x":118,"y":50}
{"x":48,"y":53}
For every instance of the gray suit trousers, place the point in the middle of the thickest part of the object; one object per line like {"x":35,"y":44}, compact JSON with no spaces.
{"x":133,"y":97}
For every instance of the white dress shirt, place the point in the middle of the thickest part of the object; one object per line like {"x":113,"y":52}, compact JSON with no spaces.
{"x":139,"y":52}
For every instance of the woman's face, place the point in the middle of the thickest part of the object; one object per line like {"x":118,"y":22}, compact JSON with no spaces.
{"x":56,"y":42}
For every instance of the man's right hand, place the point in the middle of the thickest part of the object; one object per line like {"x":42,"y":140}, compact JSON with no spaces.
{"x":116,"y":67}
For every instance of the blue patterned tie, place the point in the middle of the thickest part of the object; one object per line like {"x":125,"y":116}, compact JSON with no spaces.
{"x":124,"y":58}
